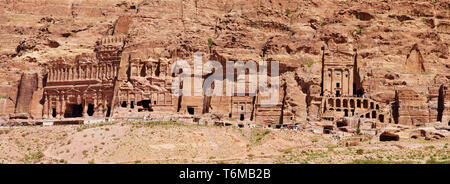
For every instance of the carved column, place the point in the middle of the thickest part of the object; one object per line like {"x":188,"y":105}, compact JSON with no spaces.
{"x":332,"y":82}
{"x":85,"y":106}
{"x":351,"y":80}
{"x":55,"y":74}
{"x":46,"y":106}
{"x":55,"y":78}
{"x":82,"y":72}
{"x":50,"y":75}
{"x":75,"y":73}
{"x":79,"y":73}
{"x":66,"y":71}
{"x":96,"y":72}
{"x":64,"y":74}
{"x":95,"y":104}
{"x":100,"y":107}
{"x":58,"y":73}
{"x":115,"y":70}
{"x":58,"y":106}
{"x":63,"y":105}
{"x":50,"y":109}
{"x":105,"y":104}
{"x":70,"y":74}
{"x":128,"y":99}
{"x":106,"y":71}
{"x":61,"y":74}
{"x":92,"y":71}
{"x":111,"y":71}
{"x":100,"y":72}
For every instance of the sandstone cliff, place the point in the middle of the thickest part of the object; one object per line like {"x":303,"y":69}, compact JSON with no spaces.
{"x":399,"y":44}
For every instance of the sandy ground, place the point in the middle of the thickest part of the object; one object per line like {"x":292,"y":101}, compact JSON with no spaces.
{"x":149,"y":142}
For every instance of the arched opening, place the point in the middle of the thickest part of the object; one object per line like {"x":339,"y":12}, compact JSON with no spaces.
{"x":242,"y":117}
{"x":338,"y":93}
{"x":331,"y":102}
{"x":73,"y":110}
{"x":54,"y":112}
{"x":377,"y":107}
{"x":381,"y":118}
{"x":341,"y":124}
{"x":145,"y":104}
{"x":191,"y":110}
{"x":374,"y":114}
{"x":328,"y":129}
{"x":371,"y":105}
{"x":345,"y":112}
{"x":90,"y":110}
{"x":358,"y":103}
{"x":108,"y":112}
{"x":368,"y":115}
{"x":386,"y":136}
{"x":365,"y":104}
{"x":345,"y":103}
{"x":338,"y":103}
{"x":124,"y":104}
{"x":352,"y":103}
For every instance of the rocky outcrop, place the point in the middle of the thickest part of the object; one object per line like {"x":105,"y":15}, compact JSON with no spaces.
{"x":399,"y":45}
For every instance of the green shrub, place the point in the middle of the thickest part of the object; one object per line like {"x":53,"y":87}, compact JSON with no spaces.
{"x":360,"y":151}
{"x":287,"y":151}
{"x":309,"y":64}
{"x":287,"y":12}
{"x":210,"y":43}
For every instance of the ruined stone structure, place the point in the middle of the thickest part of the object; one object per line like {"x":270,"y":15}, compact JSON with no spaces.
{"x":340,"y":97}
{"x":337,"y":78}
{"x":444,"y":105}
{"x":114,"y":84}
{"x":411,"y":108}
{"x":439,"y":96}
{"x":119,"y":80}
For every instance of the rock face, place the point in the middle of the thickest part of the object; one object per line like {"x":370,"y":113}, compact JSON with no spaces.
{"x":89,"y":57}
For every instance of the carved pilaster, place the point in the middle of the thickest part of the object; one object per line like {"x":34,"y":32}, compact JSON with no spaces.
{"x":63,"y":105}
{"x":46,"y":106}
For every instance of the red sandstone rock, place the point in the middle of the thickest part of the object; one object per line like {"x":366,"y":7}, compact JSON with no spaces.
{"x":393,"y":53}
